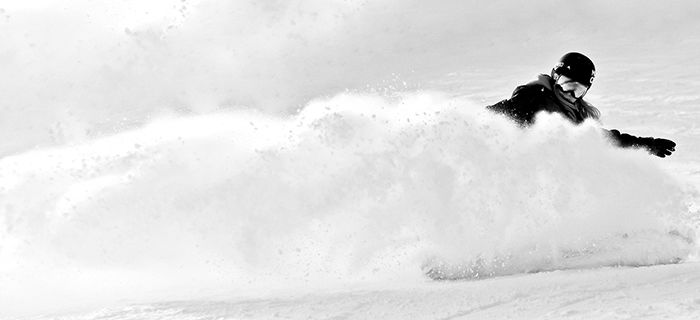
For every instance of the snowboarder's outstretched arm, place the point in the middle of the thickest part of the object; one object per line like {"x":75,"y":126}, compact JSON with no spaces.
{"x":656,"y":146}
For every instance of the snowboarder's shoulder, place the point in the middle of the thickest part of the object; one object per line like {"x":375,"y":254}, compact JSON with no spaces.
{"x":542,"y":85}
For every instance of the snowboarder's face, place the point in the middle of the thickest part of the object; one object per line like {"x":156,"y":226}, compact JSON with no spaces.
{"x":571,"y":88}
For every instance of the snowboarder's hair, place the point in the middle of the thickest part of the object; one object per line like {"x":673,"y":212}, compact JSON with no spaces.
{"x":590,"y":110}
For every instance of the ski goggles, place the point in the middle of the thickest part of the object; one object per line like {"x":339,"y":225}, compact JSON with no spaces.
{"x":569,"y":85}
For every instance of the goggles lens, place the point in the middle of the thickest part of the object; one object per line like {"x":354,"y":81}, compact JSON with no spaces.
{"x":569,"y":85}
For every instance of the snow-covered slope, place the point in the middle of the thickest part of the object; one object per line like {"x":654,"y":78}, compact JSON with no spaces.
{"x":662,"y":291}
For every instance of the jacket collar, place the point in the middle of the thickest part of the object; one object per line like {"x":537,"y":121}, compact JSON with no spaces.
{"x":548,"y":82}
{"x":571,"y":109}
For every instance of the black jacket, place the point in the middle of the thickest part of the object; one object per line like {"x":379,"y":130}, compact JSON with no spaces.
{"x":529,"y":99}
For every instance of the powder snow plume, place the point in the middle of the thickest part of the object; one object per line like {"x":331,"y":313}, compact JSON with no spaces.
{"x":355,"y":188}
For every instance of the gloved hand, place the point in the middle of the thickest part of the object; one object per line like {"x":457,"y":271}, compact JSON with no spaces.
{"x":659,"y":147}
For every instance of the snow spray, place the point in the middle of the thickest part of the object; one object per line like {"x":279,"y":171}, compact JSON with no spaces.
{"x":353,"y":189}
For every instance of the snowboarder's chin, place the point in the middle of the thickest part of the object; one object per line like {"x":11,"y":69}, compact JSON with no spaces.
{"x":570,"y":95}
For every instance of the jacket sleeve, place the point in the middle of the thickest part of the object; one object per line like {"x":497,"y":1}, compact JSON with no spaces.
{"x":657,"y":146}
{"x":623,"y":140}
{"x":520,"y":105}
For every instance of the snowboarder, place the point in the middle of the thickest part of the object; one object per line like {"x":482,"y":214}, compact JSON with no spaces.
{"x":562,"y":92}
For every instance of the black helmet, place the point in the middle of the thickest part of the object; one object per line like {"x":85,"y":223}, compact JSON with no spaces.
{"x":577,"y":67}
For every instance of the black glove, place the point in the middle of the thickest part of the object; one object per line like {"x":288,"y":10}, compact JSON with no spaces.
{"x":657,"y":146}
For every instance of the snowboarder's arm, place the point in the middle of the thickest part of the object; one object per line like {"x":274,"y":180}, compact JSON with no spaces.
{"x":656,"y":146}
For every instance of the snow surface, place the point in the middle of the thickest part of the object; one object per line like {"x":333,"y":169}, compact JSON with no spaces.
{"x":315,"y":159}
{"x":668,"y":291}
